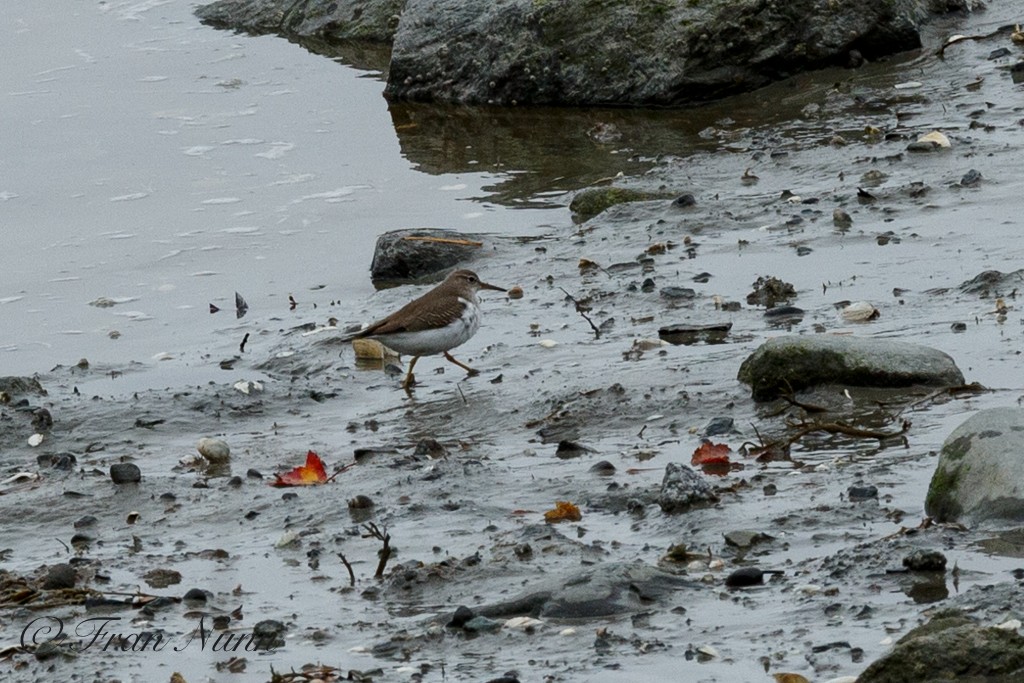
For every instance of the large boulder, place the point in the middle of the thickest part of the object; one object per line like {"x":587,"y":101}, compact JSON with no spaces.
{"x":951,"y":648}
{"x":587,"y":52}
{"x":797,"y":362}
{"x":980,"y":473}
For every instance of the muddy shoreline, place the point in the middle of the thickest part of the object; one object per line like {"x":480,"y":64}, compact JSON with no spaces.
{"x":459,"y":519}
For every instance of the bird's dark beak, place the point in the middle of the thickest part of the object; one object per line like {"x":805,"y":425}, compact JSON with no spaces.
{"x":496,"y":288}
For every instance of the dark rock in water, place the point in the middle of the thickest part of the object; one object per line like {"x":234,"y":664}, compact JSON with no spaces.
{"x":85,"y":521}
{"x":125,"y":473}
{"x":58,"y":461}
{"x":684,"y":201}
{"x":462,"y":615}
{"x":979,"y":474}
{"x":991,"y":283}
{"x":42,"y":420}
{"x":197,"y":595}
{"x":946,"y":649}
{"x":480,"y":624}
{"x":515,"y":52}
{"x":718,"y":426}
{"x":924,"y":146}
{"x":430,"y":448}
{"x":19,"y":387}
{"x":858,"y":493}
{"x":925,"y":561}
{"x":784,"y":313}
{"x":569,"y":449}
{"x":770,"y":291}
{"x":971,"y":179}
{"x":589,"y":203}
{"x":999,"y":53}
{"x":59,"y":576}
{"x":743,"y":538}
{"x":339,"y":20}
{"x":403,"y":256}
{"x":269,"y":634}
{"x":958,"y":327}
{"x":648,"y":285}
{"x":603,"y":468}
{"x":678,"y":293}
{"x":682,"y":489}
{"x":691,"y":334}
{"x":745,"y":576}
{"x":793,"y":363}
{"x":595,"y":592}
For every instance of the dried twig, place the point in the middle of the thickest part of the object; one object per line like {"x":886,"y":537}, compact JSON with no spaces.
{"x":351,"y":574}
{"x":582,"y":310}
{"x":373,"y":531}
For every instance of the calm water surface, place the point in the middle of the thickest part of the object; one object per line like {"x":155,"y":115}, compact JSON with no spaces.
{"x":163,"y":165}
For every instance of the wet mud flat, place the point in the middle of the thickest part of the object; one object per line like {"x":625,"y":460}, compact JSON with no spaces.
{"x":461,"y":473}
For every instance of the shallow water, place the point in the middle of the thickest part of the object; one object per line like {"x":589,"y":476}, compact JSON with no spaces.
{"x":237,"y":163}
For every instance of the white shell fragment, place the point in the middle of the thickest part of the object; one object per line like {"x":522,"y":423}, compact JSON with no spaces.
{"x":548,"y":343}
{"x":523,"y":623}
{"x":860,"y":311}
{"x":935,"y":137}
{"x":248,"y":386}
{"x":35,"y":440}
{"x":22,"y":477}
{"x":214,"y":450}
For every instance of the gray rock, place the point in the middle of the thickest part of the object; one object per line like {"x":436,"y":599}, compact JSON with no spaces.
{"x":682,"y":489}
{"x":374,"y":20}
{"x":592,"y":593}
{"x":529,"y":51}
{"x":524,"y":51}
{"x":16,"y":387}
{"x":125,"y":473}
{"x":407,"y":255}
{"x":59,"y":576}
{"x":743,"y":538}
{"x":925,"y":561}
{"x":993,"y":283}
{"x":798,"y":362}
{"x":946,"y":649}
{"x":980,"y":473}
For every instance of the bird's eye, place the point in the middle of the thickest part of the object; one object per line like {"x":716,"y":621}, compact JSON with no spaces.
{"x":472,"y":279}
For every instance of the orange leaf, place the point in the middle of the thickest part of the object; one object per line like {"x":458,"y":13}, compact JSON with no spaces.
{"x":709,"y":452}
{"x":564,"y":511}
{"x":312,"y":472}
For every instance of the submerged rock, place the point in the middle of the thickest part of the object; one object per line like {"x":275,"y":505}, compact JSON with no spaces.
{"x":947,"y":649}
{"x":589,"y":203}
{"x":980,"y":473}
{"x":798,"y":362}
{"x":593,"y":593}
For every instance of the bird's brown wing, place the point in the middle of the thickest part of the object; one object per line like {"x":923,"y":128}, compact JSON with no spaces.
{"x":415,"y":317}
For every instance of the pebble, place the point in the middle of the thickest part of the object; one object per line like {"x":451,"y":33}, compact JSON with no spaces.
{"x":745,"y":576}
{"x":859,"y":493}
{"x":515,"y":292}
{"x":603,"y":468}
{"x":925,"y":561}
{"x":461,"y":616}
{"x":215,"y":451}
{"x":59,"y":576}
{"x":676,"y":293}
{"x":125,"y":473}
{"x":197,"y":595}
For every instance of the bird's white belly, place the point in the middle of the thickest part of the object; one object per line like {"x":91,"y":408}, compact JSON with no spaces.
{"x":430,"y":342}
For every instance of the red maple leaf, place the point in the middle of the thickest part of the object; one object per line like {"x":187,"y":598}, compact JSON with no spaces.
{"x":312,"y":472}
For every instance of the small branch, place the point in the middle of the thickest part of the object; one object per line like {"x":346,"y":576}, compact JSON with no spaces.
{"x":581,"y":309}
{"x":351,"y":574}
{"x":373,"y":531}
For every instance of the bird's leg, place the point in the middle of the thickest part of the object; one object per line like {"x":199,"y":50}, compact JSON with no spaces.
{"x":465,"y":367}
{"x":410,"y":379}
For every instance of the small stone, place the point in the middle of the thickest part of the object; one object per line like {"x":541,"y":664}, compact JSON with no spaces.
{"x":745,"y":576}
{"x":214,"y":450}
{"x":59,"y":576}
{"x":430,"y":448}
{"x":925,"y":561}
{"x":125,"y":473}
{"x":958,"y":327}
{"x":685,"y":200}
{"x":678,"y":293}
{"x":718,"y":426}
{"x":971,"y":178}
{"x":197,"y":595}
{"x":603,"y":468}
{"x":745,"y":538}
{"x":858,"y":493}
{"x":360,"y":502}
{"x":515,"y":292}
{"x":569,"y":449}
{"x":86,"y":521}
{"x":462,"y":615}
{"x":841,"y":219}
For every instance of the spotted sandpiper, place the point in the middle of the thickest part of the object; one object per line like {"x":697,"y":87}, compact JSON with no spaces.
{"x":443,"y":318}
